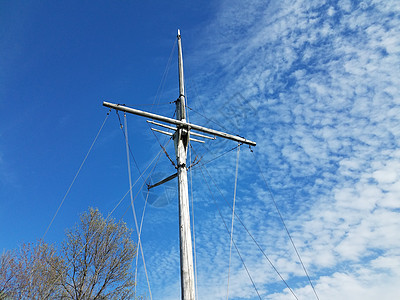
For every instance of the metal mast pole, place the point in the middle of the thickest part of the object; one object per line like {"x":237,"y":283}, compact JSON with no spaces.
{"x":181,"y":141}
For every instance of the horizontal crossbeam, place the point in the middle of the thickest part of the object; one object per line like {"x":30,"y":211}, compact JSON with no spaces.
{"x":183,"y":124}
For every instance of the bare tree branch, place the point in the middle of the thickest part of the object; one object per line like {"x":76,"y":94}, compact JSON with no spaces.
{"x":103,"y":252}
{"x":94,"y":262}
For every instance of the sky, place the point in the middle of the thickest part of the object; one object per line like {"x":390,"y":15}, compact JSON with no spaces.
{"x":314,"y":83}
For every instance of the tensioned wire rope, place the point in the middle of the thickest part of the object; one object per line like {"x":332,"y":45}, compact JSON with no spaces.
{"x":233,"y":218}
{"x":76,"y":175}
{"x":227,"y":229}
{"x":112,"y":211}
{"x":133,"y":209}
{"x":90,"y":149}
{"x":144,"y":209}
{"x":233,"y":214}
{"x":139,"y":230}
{"x":156,"y":98}
{"x":128,"y":149}
{"x":233,"y":209}
{"x":192,"y":204}
{"x":280,"y":215}
{"x":202,"y":166}
{"x":160,"y":88}
{"x":161,"y":85}
{"x":146,"y":200}
{"x":140,"y":235}
{"x":210,"y":120}
{"x":287,"y":231}
{"x":193,"y":225}
{"x":139,"y":244}
{"x":284,"y":224}
{"x":191,"y":168}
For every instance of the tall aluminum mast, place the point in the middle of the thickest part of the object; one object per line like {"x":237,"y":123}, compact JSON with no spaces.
{"x":181,"y":142}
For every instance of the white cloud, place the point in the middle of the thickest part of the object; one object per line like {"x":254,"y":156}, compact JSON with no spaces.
{"x":323,"y":82}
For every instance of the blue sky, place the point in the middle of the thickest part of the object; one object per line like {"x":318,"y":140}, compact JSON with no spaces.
{"x":320,"y":83}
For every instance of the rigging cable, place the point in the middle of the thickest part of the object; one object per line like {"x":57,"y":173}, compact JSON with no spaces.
{"x":133,"y":207}
{"x":251,"y":236}
{"x":284,"y":225}
{"x":192,"y":204}
{"x":208,"y":119}
{"x":233,"y":218}
{"x":76,"y":175}
{"x":144,"y":209}
{"x":123,"y":132}
{"x":158,"y":93}
{"x":164,"y":76}
{"x":220,"y":155}
{"x":140,"y":230}
{"x":146,"y":200}
{"x":140,"y":235}
{"x":162,"y":147}
{"x":110,"y":213}
{"x":227,"y":229}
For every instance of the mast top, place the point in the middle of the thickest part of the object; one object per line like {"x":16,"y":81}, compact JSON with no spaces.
{"x":180,"y":104}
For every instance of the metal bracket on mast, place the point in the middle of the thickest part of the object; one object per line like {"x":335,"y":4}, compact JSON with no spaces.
{"x":162,"y":181}
{"x":171,"y":134}
{"x":174,"y":128}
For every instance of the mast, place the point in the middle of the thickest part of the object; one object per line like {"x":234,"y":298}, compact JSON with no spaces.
{"x":181,"y":141}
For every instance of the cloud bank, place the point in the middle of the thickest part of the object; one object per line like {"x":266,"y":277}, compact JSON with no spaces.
{"x":321,"y":80}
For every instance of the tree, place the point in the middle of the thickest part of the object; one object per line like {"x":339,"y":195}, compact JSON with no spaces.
{"x":98,"y":254}
{"x":7,"y":274}
{"x":94,"y":262}
{"x":31,"y":272}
